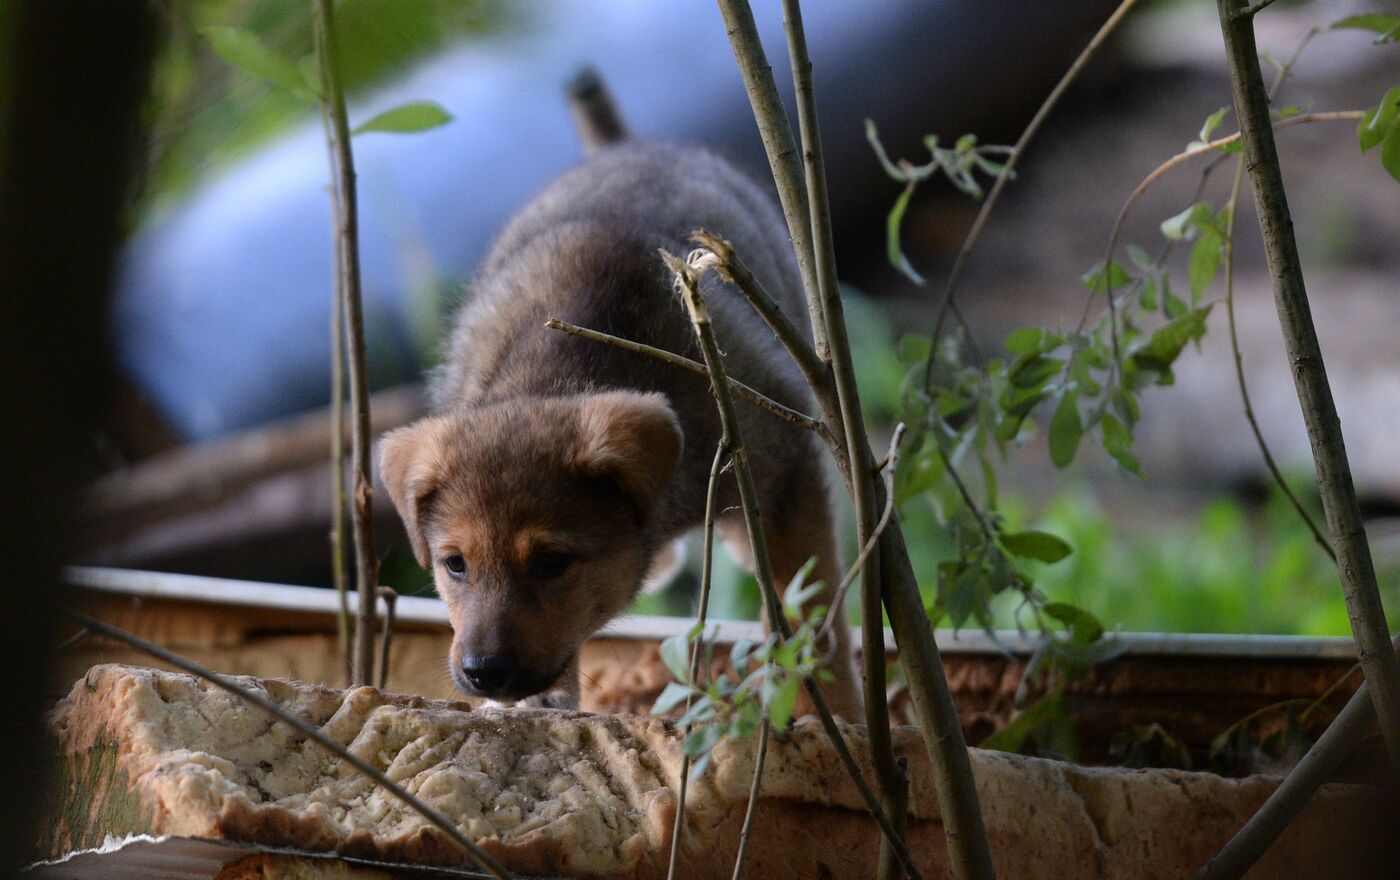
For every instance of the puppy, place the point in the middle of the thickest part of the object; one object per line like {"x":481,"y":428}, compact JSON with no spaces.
{"x":558,"y":472}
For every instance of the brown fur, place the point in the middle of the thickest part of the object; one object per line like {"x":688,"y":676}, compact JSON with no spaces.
{"x":545,"y":443}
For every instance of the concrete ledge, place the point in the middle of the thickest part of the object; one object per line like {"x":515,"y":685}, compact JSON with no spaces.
{"x":572,"y":794}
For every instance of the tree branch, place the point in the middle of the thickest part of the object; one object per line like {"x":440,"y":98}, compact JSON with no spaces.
{"x":1287,"y":801}
{"x":1310,"y":376}
{"x":783,"y":159}
{"x":763,"y":569}
{"x":753,"y":798}
{"x":443,"y":823}
{"x":348,"y":285}
{"x":706,"y":568}
{"x":755,"y":397}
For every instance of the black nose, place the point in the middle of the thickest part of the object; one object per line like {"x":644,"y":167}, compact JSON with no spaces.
{"x":488,"y":673}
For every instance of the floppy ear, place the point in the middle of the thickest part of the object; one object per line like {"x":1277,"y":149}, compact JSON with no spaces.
{"x":410,"y":466}
{"x":632,"y":437}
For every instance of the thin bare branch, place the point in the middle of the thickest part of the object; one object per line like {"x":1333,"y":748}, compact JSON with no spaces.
{"x":697,"y":649}
{"x":1008,"y":170}
{"x":1316,"y":766}
{"x":1251,"y":10}
{"x":338,"y":536}
{"x":755,"y":397}
{"x":734,"y":270}
{"x":1334,"y":478}
{"x":348,"y":284}
{"x":753,"y":798}
{"x":783,"y":158}
{"x":224,"y":683}
{"x":763,"y":569}
{"x":837,"y":611}
{"x":391,"y":604}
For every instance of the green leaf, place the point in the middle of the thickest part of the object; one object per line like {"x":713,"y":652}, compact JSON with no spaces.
{"x":1380,"y":120}
{"x":1390,"y":151}
{"x":892,"y":248}
{"x":798,"y":592}
{"x":245,"y":50}
{"x":1099,"y":281}
{"x":1036,"y":545}
{"x":1032,"y":371}
{"x":675,"y":653}
{"x":1025,"y":341}
{"x":1012,"y":737}
{"x":780,"y":711}
{"x":1211,"y":124}
{"x":1083,"y":627}
{"x":700,"y":740}
{"x":1197,"y":217}
{"x":1205,"y":263}
{"x":1140,"y":258}
{"x":407,"y":118}
{"x":1065,"y":430}
{"x":1387,"y":26}
{"x":1163,"y":347}
{"x":963,"y":595}
{"x":913,"y":348}
{"x":1118,"y":443}
{"x":671,"y":697}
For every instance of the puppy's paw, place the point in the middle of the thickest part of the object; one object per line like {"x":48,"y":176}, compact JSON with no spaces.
{"x":551,"y":700}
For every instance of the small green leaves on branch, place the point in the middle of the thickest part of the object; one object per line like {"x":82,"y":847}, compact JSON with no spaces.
{"x":1381,"y":125}
{"x":1386,"y":27}
{"x":245,"y":50}
{"x":960,"y":165}
{"x":764,"y":683}
{"x":407,"y":118}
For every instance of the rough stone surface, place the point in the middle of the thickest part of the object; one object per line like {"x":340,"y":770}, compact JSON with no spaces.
{"x":565,"y":793}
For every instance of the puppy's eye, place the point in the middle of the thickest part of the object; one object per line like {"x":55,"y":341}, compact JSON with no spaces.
{"x":548,"y":565}
{"x":455,"y":565}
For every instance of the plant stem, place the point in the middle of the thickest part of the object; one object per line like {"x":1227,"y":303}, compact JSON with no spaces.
{"x":969,"y":855}
{"x":348,"y":284}
{"x":783,"y":159}
{"x":1309,"y":373}
{"x":1288,"y":800}
{"x":443,"y":823}
{"x":338,"y":499}
{"x":753,"y":798}
{"x":706,"y":576}
{"x":1008,"y":169}
{"x":758,"y":398}
{"x":763,"y":569}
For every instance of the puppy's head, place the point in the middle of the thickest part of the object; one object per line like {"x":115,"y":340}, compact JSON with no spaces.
{"x":532,"y":514}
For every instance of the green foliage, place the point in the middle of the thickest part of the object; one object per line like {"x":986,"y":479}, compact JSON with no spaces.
{"x":1381,"y":125}
{"x":763,"y":685}
{"x":1386,"y":27}
{"x":407,"y":118}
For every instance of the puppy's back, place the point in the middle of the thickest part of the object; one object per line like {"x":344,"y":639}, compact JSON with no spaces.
{"x":584,"y":251}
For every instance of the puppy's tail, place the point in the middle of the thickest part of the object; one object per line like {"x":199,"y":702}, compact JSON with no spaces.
{"x":595,"y":114}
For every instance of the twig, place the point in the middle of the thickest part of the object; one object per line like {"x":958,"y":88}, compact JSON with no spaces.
{"x":753,"y":798}
{"x":1309,"y":372}
{"x":72,"y":640}
{"x":1251,"y":10}
{"x":893,"y":786}
{"x":596,"y":117}
{"x":706,"y":576}
{"x":391,"y":602}
{"x":1229,"y":245}
{"x":763,"y":569}
{"x":337,"y":432}
{"x":1008,"y":169}
{"x":837,"y":610}
{"x":734,"y":270}
{"x":1283,"y":806}
{"x":348,"y":283}
{"x":759,"y":399}
{"x":443,"y":823}
{"x":782,"y":153}
{"x":897,"y":588}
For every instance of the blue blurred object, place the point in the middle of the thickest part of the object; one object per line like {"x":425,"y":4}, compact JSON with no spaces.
{"x":223,"y":308}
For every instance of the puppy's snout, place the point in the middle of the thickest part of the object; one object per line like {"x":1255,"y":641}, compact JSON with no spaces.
{"x":489,"y":674}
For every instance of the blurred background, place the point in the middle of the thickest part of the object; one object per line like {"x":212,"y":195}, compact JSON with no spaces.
{"x":215,"y":447}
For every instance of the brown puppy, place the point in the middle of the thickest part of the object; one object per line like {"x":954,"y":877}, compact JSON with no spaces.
{"x":558,"y":472}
